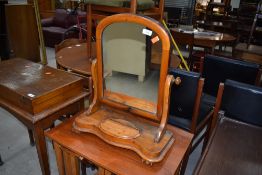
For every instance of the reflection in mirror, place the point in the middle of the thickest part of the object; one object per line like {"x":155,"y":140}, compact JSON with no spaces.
{"x":130,"y":53}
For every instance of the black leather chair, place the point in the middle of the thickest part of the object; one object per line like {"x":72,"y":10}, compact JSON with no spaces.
{"x":239,"y":101}
{"x":235,"y":143}
{"x":186,"y":108}
{"x":217,"y":69}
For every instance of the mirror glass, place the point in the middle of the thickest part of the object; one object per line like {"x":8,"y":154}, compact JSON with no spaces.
{"x":131,"y":65}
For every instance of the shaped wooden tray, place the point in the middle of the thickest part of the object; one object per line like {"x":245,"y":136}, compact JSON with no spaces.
{"x":126,"y":130}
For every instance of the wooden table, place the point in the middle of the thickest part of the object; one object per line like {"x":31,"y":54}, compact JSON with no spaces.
{"x":207,"y":41}
{"x":70,"y":147}
{"x":37,"y":95}
{"x":75,"y":58}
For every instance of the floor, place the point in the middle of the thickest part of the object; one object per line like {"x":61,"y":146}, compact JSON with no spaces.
{"x":21,"y":158}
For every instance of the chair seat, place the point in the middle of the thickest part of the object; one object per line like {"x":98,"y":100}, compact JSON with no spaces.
{"x":235,"y":148}
{"x":185,"y":123}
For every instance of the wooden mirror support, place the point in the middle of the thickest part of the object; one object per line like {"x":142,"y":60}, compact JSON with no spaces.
{"x":113,"y":116}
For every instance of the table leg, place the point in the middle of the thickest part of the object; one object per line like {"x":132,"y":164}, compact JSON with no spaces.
{"x":31,"y":137}
{"x":41,"y":149}
{"x":59,"y":159}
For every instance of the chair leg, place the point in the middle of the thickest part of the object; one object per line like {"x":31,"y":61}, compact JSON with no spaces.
{"x":1,"y":162}
{"x":185,"y":160}
{"x":83,"y":168}
{"x":31,"y":137}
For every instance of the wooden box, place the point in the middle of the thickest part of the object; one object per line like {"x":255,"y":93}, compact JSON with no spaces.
{"x":34,"y":87}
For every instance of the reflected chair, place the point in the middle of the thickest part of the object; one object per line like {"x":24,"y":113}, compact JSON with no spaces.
{"x":217,"y":69}
{"x":237,"y":127}
{"x":186,"y":110}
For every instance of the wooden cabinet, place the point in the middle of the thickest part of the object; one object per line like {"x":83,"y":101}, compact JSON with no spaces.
{"x":22,"y":31}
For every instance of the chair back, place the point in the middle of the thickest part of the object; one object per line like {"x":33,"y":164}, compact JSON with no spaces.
{"x":242,"y":102}
{"x":185,"y":42}
{"x":183,"y":96}
{"x":217,"y":69}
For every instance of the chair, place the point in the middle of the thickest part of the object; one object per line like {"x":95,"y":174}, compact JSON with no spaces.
{"x":217,"y":69}
{"x":185,"y":42}
{"x":60,"y":27}
{"x":239,"y":101}
{"x":235,"y":144}
{"x":186,"y":110}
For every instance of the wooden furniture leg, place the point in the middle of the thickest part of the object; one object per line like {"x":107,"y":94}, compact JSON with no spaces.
{"x":1,"y":162}
{"x":59,"y":159}
{"x":31,"y":137}
{"x":41,"y":149}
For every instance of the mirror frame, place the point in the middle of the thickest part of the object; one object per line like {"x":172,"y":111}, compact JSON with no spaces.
{"x":163,"y":36}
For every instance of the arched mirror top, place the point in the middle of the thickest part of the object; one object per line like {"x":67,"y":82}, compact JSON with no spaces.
{"x":132,"y":62}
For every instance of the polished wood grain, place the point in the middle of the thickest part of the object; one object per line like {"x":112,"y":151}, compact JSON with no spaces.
{"x":119,"y":160}
{"x":154,"y":140}
{"x":127,"y":131}
{"x":211,"y":41}
{"x":51,"y":87}
{"x":74,"y":58}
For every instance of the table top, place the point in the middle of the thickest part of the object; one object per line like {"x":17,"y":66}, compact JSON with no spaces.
{"x":119,"y":160}
{"x":34,"y":91}
{"x":234,"y":148}
{"x":26,"y":77}
{"x":209,"y":35}
{"x":75,"y":58}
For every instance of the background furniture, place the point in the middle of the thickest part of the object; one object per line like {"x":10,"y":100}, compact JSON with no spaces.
{"x":185,"y":42}
{"x":37,"y":102}
{"x":4,"y":44}
{"x":1,"y":162}
{"x":98,"y":10}
{"x":110,"y":158}
{"x":71,"y":56}
{"x":24,"y":43}
{"x":237,"y":134}
{"x":217,"y":69}
{"x":60,"y":26}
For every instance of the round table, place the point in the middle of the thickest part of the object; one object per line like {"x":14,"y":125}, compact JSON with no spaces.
{"x":74,"y":58}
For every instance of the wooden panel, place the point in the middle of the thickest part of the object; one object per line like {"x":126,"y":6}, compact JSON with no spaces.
{"x":22,"y":31}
